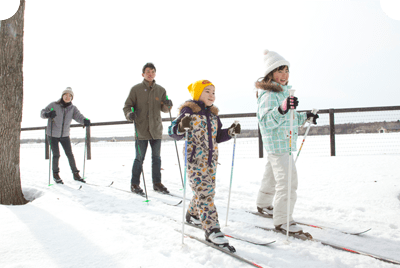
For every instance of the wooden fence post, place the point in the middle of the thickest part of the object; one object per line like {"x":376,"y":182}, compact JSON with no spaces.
{"x":332,"y":130}
{"x":88,"y":144}
{"x":46,"y":145}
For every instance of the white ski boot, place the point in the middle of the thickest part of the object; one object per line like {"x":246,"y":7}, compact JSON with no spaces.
{"x":268,"y":211}
{"x":294,"y":230}
{"x":293,"y":227}
{"x":216,"y":237}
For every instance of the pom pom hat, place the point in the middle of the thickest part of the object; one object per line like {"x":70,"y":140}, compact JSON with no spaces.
{"x":68,"y":90}
{"x":273,"y":60}
{"x":196,"y":88}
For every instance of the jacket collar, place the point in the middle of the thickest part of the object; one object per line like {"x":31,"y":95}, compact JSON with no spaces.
{"x":197,"y":106}
{"x":287,"y":87}
{"x":146,"y":83}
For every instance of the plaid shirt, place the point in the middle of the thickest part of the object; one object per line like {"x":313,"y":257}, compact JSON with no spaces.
{"x":274,"y":127}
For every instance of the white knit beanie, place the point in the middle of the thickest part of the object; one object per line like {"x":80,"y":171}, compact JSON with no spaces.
{"x":68,"y":90}
{"x":273,"y":60}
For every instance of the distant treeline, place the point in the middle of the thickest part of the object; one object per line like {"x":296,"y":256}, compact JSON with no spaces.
{"x":350,"y":128}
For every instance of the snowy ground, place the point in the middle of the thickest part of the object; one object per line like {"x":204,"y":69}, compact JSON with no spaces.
{"x":104,"y":227}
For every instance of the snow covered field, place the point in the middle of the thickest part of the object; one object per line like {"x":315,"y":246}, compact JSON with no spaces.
{"x":104,"y":227}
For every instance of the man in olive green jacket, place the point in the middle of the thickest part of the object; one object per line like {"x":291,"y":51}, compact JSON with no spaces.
{"x":148,"y":100}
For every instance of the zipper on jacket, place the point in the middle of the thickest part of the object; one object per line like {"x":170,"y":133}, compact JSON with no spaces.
{"x":62,"y":127}
{"x":210,"y":147}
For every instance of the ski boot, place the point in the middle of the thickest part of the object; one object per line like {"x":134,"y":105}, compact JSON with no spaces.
{"x":159,"y":187}
{"x":57,"y":178}
{"x":137,"y":190}
{"x":77,"y":177}
{"x":267,"y":212}
{"x":194,"y":220}
{"x":294,"y":230}
{"x":216,"y":237}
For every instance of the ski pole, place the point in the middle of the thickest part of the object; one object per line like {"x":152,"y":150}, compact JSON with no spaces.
{"x":184,"y":183}
{"x":176,"y":147}
{"x":51,"y":134}
{"x":140,"y":155}
{"x":314,"y":111}
{"x":291,"y":93}
{"x":230,"y":186}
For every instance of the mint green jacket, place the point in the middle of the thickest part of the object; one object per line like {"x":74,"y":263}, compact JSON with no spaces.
{"x":275,"y":127}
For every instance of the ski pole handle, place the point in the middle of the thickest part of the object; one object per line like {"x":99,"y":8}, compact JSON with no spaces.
{"x":314,"y":110}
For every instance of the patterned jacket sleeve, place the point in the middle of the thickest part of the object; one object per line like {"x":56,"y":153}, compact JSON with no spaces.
{"x":301,"y":118}
{"x":173,"y":131}
{"x":268,"y":114}
{"x":222,"y":134}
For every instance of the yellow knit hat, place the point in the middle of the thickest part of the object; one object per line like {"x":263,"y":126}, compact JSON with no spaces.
{"x":196,"y":88}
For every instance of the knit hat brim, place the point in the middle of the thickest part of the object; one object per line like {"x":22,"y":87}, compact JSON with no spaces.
{"x":196,"y":88}
{"x":273,"y":60}
{"x":68,"y":90}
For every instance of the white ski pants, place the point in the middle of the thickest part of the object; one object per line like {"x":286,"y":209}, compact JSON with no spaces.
{"x":275,"y":184}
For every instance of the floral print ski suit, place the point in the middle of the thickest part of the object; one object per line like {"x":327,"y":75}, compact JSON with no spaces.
{"x":202,"y":157}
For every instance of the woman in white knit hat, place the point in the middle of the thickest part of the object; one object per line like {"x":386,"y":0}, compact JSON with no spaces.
{"x":273,"y":118}
{"x":60,"y":114}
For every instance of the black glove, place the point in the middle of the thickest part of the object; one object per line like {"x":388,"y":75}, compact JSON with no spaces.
{"x":288,"y":103}
{"x":50,"y":114}
{"x":235,"y":128}
{"x":168,"y":103}
{"x":185,"y":123}
{"x":132,"y":116}
{"x":86,"y":122}
{"x":312,"y":118}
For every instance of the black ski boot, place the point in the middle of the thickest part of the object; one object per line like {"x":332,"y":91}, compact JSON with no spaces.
{"x":192,"y":219}
{"x":57,"y":178}
{"x":216,"y":237}
{"x":137,"y":190}
{"x":77,"y":177}
{"x":159,"y":187}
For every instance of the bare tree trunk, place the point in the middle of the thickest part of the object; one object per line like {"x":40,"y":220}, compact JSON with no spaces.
{"x":11,"y":96}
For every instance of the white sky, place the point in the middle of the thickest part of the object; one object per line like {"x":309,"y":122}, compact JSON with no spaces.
{"x":342,"y":53}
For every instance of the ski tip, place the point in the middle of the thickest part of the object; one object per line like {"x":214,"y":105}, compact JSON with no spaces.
{"x":111,"y":183}
{"x":80,"y":187}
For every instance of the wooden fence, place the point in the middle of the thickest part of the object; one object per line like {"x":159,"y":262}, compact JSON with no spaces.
{"x":330,"y":112}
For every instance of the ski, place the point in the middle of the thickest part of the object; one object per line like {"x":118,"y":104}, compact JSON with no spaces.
{"x":145,"y":197}
{"x":354,"y":251}
{"x":221,"y":249}
{"x":313,"y":225}
{"x":227,"y":235}
{"x":170,"y":194}
{"x":69,"y":186}
{"x":88,"y":183}
{"x":234,"y":237}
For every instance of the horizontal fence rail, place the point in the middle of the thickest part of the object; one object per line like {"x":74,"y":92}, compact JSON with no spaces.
{"x":329,"y":128}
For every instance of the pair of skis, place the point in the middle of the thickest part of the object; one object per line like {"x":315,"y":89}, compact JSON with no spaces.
{"x":264,"y":215}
